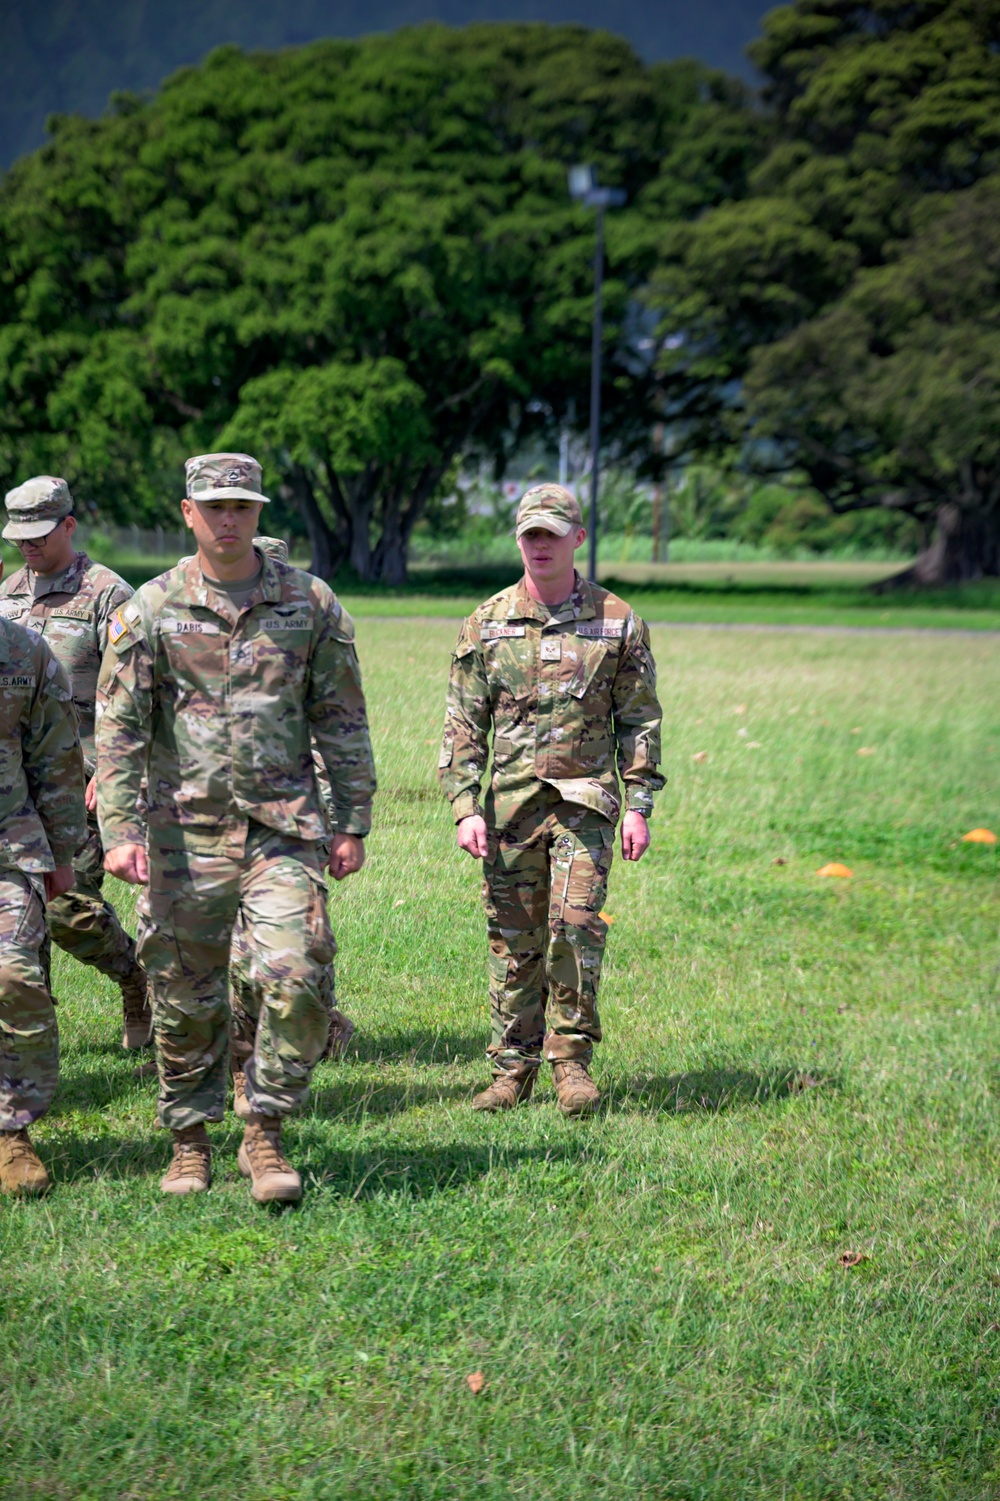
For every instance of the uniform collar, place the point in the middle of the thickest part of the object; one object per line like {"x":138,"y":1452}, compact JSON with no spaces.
{"x":23,"y":581}
{"x":193,"y":590}
{"x":579,"y":606}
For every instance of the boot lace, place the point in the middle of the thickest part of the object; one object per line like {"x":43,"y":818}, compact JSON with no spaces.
{"x":264,"y":1147}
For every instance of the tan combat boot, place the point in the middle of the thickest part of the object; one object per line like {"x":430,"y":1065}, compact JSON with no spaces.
{"x":20,"y":1170}
{"x":577,"y":1092}
{"x":190,"y":1172}
{"x":509,"y":1088}
{"x":242,"y":1108}
{"x":260,"y":1158}
{"x":340,"y":1033}
{"x":138,"y":1031}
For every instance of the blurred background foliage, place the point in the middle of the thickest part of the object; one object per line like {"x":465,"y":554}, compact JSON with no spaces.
{"x":359,"y":260}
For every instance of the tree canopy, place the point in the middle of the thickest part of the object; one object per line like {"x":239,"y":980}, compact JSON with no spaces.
{"x":842,"y":319}
{"x":355,"y":259}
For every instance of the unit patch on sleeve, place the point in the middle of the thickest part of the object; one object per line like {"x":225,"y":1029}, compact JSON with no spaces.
{"x":118,"y":628}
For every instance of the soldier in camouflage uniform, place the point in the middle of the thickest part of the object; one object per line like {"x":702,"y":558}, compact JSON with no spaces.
{"x":219,"y":677}
{"x":69,"y":600}
{"x":43,"y":823}
{"x":562,"y":672}
{"x":243,"y":1006}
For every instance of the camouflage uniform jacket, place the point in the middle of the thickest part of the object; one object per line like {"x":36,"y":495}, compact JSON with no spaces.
{"x":564,"y":692}
{"x":220,"y":710}
{"x":43,"y":821}
{"x":74,"y":621}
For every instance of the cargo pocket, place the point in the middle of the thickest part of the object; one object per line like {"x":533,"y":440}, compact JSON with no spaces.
{"x":499,"y":967}
{"x":320,"y":943}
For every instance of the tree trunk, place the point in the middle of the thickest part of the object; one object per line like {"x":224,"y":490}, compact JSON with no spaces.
{"x":964,"y":546}
{"x":327,"y":549}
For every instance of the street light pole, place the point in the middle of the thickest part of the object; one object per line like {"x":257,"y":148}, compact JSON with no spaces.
{"x":583,"y":187}
{"x":595,"y":388}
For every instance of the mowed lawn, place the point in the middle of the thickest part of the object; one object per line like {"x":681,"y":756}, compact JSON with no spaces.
{"x":798,"y":1072}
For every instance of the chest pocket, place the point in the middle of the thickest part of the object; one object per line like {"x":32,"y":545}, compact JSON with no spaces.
{"x":281,"y":645}
{"x":510,"y":665}
{"x":596,"y":668}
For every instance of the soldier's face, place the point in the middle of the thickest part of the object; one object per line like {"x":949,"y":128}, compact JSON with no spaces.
{"x":51,"y":553}
{"x":223,"y":529}
{"x":547,"y":556}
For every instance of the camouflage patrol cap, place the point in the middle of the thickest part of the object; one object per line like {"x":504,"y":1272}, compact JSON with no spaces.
{"x":34,"y":507}
{"x":553,"y":508}
{"x":223,"y":476}
{"x":273,"y":547}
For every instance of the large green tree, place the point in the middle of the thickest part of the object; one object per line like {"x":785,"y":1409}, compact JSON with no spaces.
{"x":358,"y":260}
{"x":843,"y":319}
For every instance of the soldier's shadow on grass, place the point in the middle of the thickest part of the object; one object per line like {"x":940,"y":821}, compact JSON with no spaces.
{"x":75,"y":1157}
{"x":418,"y":1046}
{"x":419,"y":1173}
{"x":712,"y":1090}
{"x":88,"y":1083}
{"x":349,"y":1098}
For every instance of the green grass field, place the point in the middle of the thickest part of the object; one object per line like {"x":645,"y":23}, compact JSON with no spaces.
{"x":796,"y":1071}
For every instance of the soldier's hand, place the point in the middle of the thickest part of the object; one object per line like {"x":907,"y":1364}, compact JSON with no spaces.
{"x":472,"y":836}
{"x":90,"y":796}
{"x":57,"y":881}
{"x":347,"y":854}
{"x":128,"y":862}
{"x":635,"y":836}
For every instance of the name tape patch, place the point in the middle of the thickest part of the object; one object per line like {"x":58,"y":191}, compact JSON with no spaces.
{"x":11,"y":607}
{"x":285,"y":623}
{"x":600,"y":627}
{"x":191,"y":627}
{"x":496,"y":632}
{"x":16,"y":680}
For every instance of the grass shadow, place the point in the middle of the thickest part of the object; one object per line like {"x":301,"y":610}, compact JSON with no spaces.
{"x":418,"y":1046}
{"x":78,"y":1157}
{"x":350,"y":1098}
{"x":713,"y":1090}
{"x":418,"y":1174}
{"x":96,"y":1089}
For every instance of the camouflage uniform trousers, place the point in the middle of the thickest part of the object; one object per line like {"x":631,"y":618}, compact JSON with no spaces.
{"x":83,"y":923}
{"x":188,"y":913}
{"x":29,"y":1033}
{"x":545,"y":882}
{"x":245,"y":998}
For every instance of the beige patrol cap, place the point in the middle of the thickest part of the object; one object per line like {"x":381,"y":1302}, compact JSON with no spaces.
{"x":553,"y":508}
{"x":223,"y":476}
{"x":34,"y":507}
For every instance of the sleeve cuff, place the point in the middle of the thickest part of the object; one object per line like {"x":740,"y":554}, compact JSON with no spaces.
{"x":354,"y":820}
{"x":64,"y":854}
{"x":114,"y":841}
{"x":639,"y":800}
{"x":465,"y":805}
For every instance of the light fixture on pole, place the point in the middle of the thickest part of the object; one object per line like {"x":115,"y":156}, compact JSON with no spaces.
{"x":584,"y":189}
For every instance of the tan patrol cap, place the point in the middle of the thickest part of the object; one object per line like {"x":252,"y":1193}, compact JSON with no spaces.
{"x":34,"y":507}
{"x":553,"y":508}
{"x":223,"y":476}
